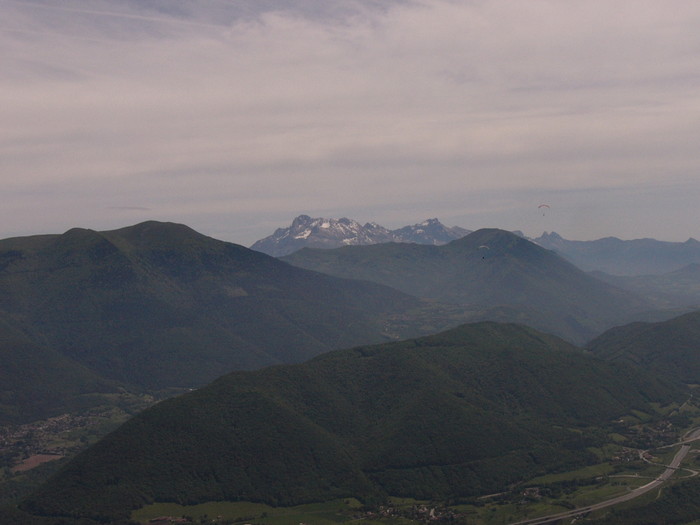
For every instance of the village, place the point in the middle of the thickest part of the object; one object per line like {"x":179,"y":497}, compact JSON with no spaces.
{"x":25,"y":446}
{"x":422,"y":513}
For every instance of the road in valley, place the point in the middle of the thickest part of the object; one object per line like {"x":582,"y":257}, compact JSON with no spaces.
{"x":662,"y":478}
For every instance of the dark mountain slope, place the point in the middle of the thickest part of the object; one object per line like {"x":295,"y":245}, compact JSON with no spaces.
{"x":488,"y":269}
{"x":159,"y":304}
{"x":464,"y":412}
{"x":671,"y":347}
{"x":36,"y":381}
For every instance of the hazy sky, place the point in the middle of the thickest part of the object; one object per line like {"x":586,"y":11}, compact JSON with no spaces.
{"x":234,"y":116}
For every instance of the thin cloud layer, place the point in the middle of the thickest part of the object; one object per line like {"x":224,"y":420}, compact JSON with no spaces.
{"x":233,"y":117}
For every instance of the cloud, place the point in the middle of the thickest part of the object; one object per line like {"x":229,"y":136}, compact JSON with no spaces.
{"x":246,"y":111}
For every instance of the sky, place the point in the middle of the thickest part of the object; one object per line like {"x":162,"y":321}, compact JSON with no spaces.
{"x":235,"y":116}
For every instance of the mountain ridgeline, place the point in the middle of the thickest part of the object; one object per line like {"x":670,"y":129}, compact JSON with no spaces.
{"x":500,"y":275}
{"x":610,"y":255}
{"x":458,"y":414}
{"x":624,"y":257}
{"x":307,"y":232}
{"x":159,"y":305}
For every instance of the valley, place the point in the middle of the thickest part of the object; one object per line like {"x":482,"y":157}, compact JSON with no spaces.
{"x":153,"y":372}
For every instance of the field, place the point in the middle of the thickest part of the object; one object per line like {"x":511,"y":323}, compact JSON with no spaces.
{"x":245,"y":512}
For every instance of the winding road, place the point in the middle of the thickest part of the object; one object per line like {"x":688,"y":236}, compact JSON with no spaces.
{"x":689,"y":437}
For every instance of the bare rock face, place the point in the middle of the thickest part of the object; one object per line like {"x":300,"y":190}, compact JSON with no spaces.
{"x":308,"y":232}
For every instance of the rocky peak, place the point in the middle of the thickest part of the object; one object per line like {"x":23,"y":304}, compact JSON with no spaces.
{"x":321,"y":232}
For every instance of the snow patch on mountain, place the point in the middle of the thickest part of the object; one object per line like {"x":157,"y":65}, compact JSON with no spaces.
{"x":320,"y":232}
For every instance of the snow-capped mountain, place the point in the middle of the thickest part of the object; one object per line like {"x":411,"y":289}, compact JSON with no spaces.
{"x":319,"y":232}
{"x":430,"y":231}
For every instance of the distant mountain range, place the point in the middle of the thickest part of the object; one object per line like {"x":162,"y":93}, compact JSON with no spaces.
{"x":610,"y":254}
{"x":497,"y":273}
{"x":333,"y":233}
{"x":459,"y":414}
{"x":158,"y":305}
{"x":617,"y":257}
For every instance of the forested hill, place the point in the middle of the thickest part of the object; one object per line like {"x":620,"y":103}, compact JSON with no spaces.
{"x":671,"y":348}
{"x":158,"y":304}
{"x":461,"y":413}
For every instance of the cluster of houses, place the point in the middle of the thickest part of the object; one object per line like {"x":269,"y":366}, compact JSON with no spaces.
{"x":422,"y":513}
{"x":25,"y":446}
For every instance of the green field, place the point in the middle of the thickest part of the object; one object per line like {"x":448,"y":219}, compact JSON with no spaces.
{"x":330,"y":512}
{"x":601,"y":469}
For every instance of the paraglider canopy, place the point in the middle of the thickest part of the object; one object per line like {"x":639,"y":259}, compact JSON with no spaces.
{"x":543,"y":207}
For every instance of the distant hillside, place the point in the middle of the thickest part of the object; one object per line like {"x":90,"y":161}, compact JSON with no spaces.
{"x":462,"y":413}
{"x":677,"y":289}
{"x":504,"y":276}
{"x":617,"y":257}
{"x":307,"y":232}
{"x":671,"y":347}
{"x":158,"y":304}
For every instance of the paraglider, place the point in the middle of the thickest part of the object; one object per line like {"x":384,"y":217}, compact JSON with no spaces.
{"x":543,"y":207}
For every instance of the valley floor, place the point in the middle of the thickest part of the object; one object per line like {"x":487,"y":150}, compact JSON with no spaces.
{"x":628,"y":478}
